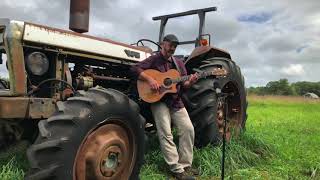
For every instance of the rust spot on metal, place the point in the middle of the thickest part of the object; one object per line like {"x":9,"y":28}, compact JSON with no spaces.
{"x":198,"y":51}
{"x":201,"y":50}
{"x":97,"y":77}
{"x":19,"y":71}
{"x":104,"y":155}
{"x":67,"y":93}
{"x":16,"y":61}
{"x":23,"y":107}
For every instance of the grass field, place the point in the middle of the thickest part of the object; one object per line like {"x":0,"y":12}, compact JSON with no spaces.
{"x":282,"y":141}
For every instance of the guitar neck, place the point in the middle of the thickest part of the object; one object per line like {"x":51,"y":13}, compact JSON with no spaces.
{"x":185,"y":78}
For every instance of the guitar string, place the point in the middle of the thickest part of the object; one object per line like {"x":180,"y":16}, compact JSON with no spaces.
{"x":184,"y":78}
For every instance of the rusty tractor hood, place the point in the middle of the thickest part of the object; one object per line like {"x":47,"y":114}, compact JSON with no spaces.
{"x":77,"y":42}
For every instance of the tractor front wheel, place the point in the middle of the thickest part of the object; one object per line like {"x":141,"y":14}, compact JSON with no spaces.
{"x":96,"y":135}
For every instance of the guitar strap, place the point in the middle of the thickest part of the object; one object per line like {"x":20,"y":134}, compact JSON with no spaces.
{"x":176,"y":64}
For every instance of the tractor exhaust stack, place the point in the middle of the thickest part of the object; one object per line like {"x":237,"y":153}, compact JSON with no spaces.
{"x":79,"y":15}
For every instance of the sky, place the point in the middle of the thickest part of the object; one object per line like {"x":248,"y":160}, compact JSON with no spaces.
{"x":269,"y":40}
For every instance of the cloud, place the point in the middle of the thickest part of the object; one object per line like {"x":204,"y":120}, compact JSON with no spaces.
{"x":278,"y":42}
{"x":269,"y":40}
{"x":293,"y":70}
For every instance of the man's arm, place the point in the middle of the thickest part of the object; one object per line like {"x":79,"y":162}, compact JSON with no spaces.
{"x":191,"y":80}
{"x":138,"y":69}
{"x":141,"y":66}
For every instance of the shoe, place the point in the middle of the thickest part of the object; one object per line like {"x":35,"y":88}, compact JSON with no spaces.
{"x":183,"y":176}
{"x":193,"y":171}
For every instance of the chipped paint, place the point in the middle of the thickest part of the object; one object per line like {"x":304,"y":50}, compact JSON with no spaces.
{"x":14,"y":51}
{"x":26,"y":108}
{"x":80,"y":42}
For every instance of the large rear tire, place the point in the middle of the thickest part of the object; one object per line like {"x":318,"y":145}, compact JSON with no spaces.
{"x":98,"y":134}
{"x":206,"y":109}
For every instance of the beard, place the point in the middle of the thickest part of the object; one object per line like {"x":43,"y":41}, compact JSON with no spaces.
{"x":170,"y":52}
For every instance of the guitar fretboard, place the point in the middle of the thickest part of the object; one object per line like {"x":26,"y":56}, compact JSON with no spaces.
{"x":200,"y":75}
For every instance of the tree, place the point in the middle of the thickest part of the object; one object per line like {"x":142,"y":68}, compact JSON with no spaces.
{"x":281,"y":87}
{"x":304,"y":87}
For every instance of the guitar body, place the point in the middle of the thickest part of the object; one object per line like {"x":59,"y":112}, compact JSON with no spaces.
{"x":167,"y":82}
{"x":149,"y":95}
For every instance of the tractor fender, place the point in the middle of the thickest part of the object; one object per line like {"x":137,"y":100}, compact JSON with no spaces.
{"x":205,"y":52}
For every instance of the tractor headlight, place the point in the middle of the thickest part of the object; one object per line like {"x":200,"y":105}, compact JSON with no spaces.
{"x":37,"y":63}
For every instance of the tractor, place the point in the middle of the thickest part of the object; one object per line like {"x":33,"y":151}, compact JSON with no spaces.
{"x":70,"y":96}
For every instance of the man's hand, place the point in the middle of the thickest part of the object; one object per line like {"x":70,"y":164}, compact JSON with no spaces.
{"x":153,"y":84}
{"x":193,"y":78}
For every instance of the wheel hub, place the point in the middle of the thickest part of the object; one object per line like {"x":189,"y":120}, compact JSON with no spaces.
{"x":111,"y":162}
{"x":107,"y":153}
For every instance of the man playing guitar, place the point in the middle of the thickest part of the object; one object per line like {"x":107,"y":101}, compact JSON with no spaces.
{"x":170,"y":109}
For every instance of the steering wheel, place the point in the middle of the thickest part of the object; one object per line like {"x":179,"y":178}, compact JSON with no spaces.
{"x":141,"y":41}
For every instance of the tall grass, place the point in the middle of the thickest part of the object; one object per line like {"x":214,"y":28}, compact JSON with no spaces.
{"x":13,"y":162}
{"x":282,"y":141}
{"x":244,"y":152}
{"x":293,"y":126}
{"x":11,"y":170}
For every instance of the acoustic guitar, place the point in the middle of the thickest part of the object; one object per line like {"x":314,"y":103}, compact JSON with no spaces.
{"x":167,"y":82}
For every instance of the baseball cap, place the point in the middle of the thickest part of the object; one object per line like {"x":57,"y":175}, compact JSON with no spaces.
{"x":171,"y":38}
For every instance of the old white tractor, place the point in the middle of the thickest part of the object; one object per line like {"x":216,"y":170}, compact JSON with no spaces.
{"x":70,"y":96}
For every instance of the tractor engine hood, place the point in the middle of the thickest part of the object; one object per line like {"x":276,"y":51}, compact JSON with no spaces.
{"x":65,"y":40}
{"x":83,"y":43}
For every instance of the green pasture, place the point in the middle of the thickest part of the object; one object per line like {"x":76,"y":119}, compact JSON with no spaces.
{"x":281,"y":141}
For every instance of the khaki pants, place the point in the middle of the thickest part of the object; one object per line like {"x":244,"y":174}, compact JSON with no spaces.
{"x":163,"y":116}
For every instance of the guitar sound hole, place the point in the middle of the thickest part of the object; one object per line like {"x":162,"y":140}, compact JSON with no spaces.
{"x":167,"y":82}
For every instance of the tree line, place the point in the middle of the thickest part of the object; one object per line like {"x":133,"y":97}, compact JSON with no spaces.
{"x":283,"y":87}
